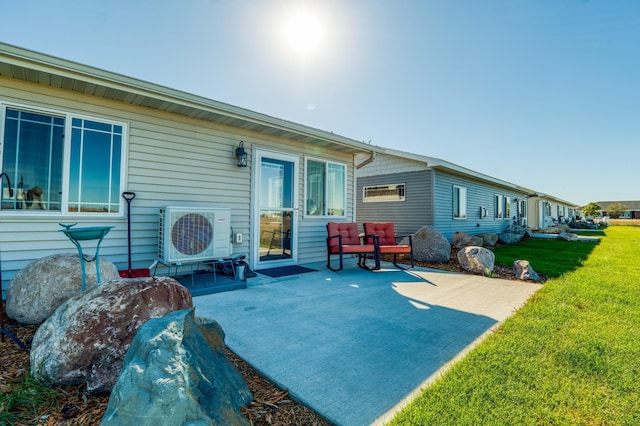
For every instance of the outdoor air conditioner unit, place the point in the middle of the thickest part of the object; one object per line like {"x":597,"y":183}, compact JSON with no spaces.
{"x":193,"y":234}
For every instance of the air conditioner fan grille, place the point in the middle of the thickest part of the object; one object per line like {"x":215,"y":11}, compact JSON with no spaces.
{"x":192,"y":234}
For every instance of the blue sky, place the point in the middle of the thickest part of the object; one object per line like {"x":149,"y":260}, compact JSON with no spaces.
{"x":541,"y":93}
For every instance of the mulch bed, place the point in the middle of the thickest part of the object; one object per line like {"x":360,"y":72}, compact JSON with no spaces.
{"x":453,"y":266}
{"x":270,"y":405}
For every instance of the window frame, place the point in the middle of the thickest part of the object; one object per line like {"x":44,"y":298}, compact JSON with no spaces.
{"x":498,"y":207}
{"x":507,"y":207}
{"x":460,"y":201}
{"x":521,"y":208}
{"x":402,"y":197}
{"x":324,"y":214}
{"x":68,"y":117}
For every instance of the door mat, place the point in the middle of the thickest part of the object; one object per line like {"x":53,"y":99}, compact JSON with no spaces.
{"x":284,"y":271}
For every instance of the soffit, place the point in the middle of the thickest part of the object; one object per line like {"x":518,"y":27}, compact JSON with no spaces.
{"x":119,"y":88}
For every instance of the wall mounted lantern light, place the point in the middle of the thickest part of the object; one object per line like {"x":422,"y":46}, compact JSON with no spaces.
{"x":241,"y":155}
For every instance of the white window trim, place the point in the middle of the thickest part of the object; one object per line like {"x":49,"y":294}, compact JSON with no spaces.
{"x":462,"y":202}
{"x":306,"y":186}
{"x":507,"y":207}
{"x":68,"y":116}
{"x":399,"y":200}
{"x":498,"y":205}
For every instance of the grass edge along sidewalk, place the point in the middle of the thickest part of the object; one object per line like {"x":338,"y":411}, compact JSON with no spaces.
{"x":569,"y":356}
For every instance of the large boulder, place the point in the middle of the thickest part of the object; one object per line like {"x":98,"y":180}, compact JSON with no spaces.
{"x":462,"y":239}
{"x":176,"y":373}
{"x":478,"y":260}
{"x":523,"y":271}
{"x":87,"y":337}
{"x":509,"y":237}
{"x":488,"y":238}
{"x":514,"y":233}
{"x":515,"y":229}
{"x":41,"y":286}
{"x":429,"y":245}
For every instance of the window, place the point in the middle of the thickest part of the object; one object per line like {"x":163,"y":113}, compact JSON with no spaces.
{"x":561,"y":211}
{"x":383,"y":193}
{"x":498,"y":206}
{"x":89,"y":180}
{"x":507,"y":207}
{"x":459,"y":202}
{"x":326,"y":188}
{"x":522,"y":208}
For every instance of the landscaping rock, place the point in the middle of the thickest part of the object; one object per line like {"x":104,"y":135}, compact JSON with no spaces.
{"x":87,"y":337}
{"x":568,"y":236}
{"x":515,"y":229}
{"x":509,"y":237}
{"x":513,"y":234}
{"x":523,"y":271}
{"x":478,"y":260}
{"x":488,"y":238}
{"x":462,"y":239}
{"x":551,"y":230}
{"x":176,"y":373}
{"x":39,"y":288}
{"x":429,"y":245}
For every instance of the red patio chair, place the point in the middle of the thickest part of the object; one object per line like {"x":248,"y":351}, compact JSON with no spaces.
{"x":343,"y":238}
{"x":388,"y":241}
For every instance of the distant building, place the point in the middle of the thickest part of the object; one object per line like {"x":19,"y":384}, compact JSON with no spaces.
{"x":415,"y":190}
{"x":632,"y":210}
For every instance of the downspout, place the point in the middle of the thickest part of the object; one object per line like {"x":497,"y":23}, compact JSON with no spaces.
{"x":355,"y":180}
{"x":367,"y":161}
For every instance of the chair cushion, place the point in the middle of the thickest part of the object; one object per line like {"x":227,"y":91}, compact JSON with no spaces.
{"x":396,"y":248}
{"x":367,"y":248}
{"x":384,"y":230}
{"x":349,"y":232}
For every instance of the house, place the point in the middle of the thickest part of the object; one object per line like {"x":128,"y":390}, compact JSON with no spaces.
{"x":546,"y":210}
{"x":414,"y":190}
{"x":632,"y":210}
{"x":74,"y":138}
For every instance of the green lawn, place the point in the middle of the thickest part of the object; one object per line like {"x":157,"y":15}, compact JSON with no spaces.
{"x":549,"y":257}
{"x":570,"y":356}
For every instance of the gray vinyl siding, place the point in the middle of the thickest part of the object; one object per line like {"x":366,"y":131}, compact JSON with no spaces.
{"x":409,"y":215}
{"x":479,"y":194}
{"x":172,"y":160}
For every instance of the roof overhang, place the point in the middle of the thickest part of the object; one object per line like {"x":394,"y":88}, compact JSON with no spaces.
{"x":556,"y":200}
{"x":439,"y":164}
{"x":26,"y":65}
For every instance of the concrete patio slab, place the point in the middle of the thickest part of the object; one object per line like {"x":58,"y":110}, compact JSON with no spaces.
{"x":356,"y":345}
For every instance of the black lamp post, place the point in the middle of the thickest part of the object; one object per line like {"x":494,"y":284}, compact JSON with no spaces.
{"x":241,"y":155}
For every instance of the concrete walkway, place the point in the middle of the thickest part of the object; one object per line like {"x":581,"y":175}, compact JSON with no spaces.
{"x":356,"y":345}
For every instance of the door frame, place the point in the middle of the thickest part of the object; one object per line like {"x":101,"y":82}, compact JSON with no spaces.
{"x":257,"y":155}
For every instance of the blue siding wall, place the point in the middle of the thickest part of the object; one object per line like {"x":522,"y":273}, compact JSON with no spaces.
{"x":479,"y":194}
